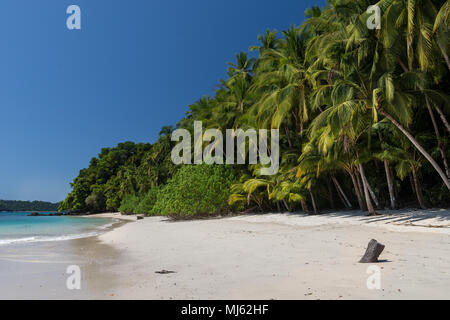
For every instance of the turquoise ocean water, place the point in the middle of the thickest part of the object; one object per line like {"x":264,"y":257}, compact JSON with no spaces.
{"x":18,"y":227}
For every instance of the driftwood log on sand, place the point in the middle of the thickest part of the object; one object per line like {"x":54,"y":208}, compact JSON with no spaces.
{"x":373,"y":251}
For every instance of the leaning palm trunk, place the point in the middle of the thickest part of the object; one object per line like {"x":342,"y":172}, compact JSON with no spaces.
{"x":442,"y":116}
{"x":390,"y":185}
{"x":357,"y":192}
{"x":419,"y":147}
{"x":288,"y":207}
{"x":389,"y":179}
{"x":438,"y":137}
{"x":341,"y":193}
{"x":340,"y":196}
{"x":304,"y":206}
{"x":313,"y":201}
{"x":418,"y":188}
{"x":360,"y":185}
{"x":372,"y":194}
{"x":366,"y":192}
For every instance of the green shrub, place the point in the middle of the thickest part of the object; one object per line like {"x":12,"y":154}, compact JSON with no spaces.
{"x":130,"y":203}
{"x":195,"y":190}
{"x":95,"y":202}
{"x":147,"y":202}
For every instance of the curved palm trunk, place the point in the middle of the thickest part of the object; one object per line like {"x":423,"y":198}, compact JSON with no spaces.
{"x":313,"y":201}
{"x":418,"y":188}
{"x":288,"y":207}
{"x":390,"y":182}
{"x":438,"y":137}
{"x":341,"y":192}
{"x":357,"y":192}
{"x":370,"y":208}
{"x":304,"y":206}
{"x":442,"y":116}
{"x":372,"y":194}
{"x":389,"y":179}
{"x":360,"y":185}
{"x":419,"y":147}
{"x":340,"y":196}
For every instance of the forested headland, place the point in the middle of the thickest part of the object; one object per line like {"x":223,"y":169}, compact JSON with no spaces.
{"x":13,"y":205}
{"x":363,"y":116}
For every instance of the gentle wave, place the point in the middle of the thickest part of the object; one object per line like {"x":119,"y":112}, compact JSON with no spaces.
{"x":109,"y":225}
{"x":47,"y":239}
{"x":59,"y":237}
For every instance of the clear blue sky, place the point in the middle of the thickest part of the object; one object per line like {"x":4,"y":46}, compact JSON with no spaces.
{"x":134,"y":67}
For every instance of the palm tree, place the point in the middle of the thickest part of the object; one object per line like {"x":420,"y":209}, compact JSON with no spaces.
{"x":387,"y":99}
{"x":408,"y":161}
{"x":390,"y":181}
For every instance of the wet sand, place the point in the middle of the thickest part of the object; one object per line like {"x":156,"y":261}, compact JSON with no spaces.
{"x":39,"y":270}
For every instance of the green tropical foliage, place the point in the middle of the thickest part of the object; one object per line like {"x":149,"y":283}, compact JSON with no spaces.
{"x":195,"y":190}
{"x":363,"y":119}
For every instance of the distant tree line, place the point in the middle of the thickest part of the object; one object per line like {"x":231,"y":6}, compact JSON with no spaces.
{"x":13,"y":205}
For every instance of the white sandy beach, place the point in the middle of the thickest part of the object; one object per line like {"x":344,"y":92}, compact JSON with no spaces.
{"x":268,"y":256}
{"x":283,"y":256}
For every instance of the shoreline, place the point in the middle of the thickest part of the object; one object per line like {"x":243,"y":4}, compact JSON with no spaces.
{"x":258,"y":256}
{"x":109,"y":221}
{"x":418,"y":220}
{"x":111,"y":215}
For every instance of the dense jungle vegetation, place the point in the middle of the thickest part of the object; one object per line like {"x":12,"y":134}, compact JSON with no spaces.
{"x":363,"y":117}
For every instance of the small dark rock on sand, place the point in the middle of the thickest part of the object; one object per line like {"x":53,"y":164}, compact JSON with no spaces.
{"x":165,"y":272}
